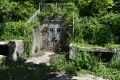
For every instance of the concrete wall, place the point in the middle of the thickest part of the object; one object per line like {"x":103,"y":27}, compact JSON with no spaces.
{"x":16,"y":49}
{"x":12,"y":49}
{"x":37,"y":40}
{"x":48,"y":35}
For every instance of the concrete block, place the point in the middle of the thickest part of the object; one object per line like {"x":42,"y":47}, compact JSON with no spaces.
{"x":16,"y":49}
{"x":72,"y":51}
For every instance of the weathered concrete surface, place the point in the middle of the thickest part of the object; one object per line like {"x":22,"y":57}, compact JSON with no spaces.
{"x":101,"y":52}
{"x":16,"y":49}
{"x":117,"y":55}
{"x":40,"y":59}
{"x":87,"y":77}
{"x":72,"y":51}
{"x":36,"y":40}
{"x":98,"y":49}
{"x":50,"y":33}
{"x":3,"y":43}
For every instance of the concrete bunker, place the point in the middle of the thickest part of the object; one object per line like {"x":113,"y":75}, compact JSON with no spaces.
{"x":50,"y":36}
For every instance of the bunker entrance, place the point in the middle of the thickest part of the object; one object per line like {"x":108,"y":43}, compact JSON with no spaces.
{"x":50,"y":36}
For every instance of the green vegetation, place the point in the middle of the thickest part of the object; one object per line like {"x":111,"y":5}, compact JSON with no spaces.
{"x":97,"y":23}
{"x":87,"y":63}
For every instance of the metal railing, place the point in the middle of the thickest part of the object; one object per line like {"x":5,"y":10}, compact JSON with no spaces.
{"x":34,"y":16}
{"x":46,"y":7}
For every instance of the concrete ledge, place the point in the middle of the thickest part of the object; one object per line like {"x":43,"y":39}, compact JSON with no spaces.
{"x":4,"y":43}
{"x":100,"y":52}
{"x":98,"y":49}
{"x":12,"y":49}
{"x":16,"y":49}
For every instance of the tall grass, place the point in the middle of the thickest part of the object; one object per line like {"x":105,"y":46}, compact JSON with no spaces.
{"x":85,"y":61}
{"x":115,"y":62}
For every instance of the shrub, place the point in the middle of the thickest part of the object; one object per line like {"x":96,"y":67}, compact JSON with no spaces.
{"x":83,"y":60}
{"x":61,"y":64}
{"x":93,"y":32}
{"x":115,"y":62}
{"x":15,"y":11}
{"x":16,"y":30}
{"x":111,"y":22}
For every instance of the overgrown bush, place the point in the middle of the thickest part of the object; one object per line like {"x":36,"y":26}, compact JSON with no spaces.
{"x":83,"y":60}
{"x":115,"y":62}
{"x":111,"y":22}
{"x":89,"y":7}
{"x":93,"y":32}
{"x":107,"y":72}
{"x":15,"y":11}
{"x":16,"y":30}
{"x":62,"y":64}
{"x":87,"y":62}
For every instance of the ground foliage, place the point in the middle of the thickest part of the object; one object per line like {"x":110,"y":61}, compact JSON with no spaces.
{"x":87,"y":63}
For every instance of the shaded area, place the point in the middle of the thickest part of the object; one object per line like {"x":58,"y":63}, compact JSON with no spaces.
{"x":20,"y":71}
{"x":60,"y":77}
{"x":4,"y":49}
{"x":105,"y":57}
